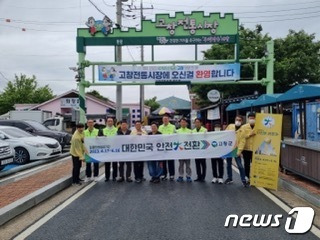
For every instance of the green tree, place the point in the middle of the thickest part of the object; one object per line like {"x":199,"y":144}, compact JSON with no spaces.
{"x":23,"y":89}
{"x":252,"y":45}
{"x":98,"y":95}
{"x":152,"y":102}
{"x":297,"y":60}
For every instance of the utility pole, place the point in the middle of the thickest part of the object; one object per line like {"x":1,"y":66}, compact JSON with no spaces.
{"x":142,"y":114}
{"x":119,"y":59}
{"x":142,"y":59}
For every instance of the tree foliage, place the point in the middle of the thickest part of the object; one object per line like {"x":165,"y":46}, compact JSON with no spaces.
{"x":297,"y":59}
{"x":152,"y":102}
{"x":23,"y":89}
{"x":97,"y":95}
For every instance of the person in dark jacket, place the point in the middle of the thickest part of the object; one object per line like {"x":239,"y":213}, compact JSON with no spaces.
{"x":155,"y":167}
{"x":123,"y":130}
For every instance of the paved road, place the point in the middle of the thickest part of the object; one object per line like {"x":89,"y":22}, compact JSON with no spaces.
{"x":168,"y":210}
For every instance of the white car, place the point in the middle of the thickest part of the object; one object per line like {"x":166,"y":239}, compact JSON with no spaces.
{"x":6,"y":154}
{"x":27,"y":146}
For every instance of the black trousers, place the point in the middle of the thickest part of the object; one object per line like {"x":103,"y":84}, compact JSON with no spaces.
{"x":114,"y":169}
{"x":89,"y":170}
{"x":76,"y":169}
{"x":170,"y":167}
{"x":138,"y":170}
{"x":128,"y":171}
{"x":247,"y":157}
{"x":214,"y":163}
{"x":201,"y":168}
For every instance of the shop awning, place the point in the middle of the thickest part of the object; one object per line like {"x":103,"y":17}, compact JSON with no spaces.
{"x":266,"y":99}
{"x":301,"y":92}
{"x":232,"y":107}
{"x":242,"y":105}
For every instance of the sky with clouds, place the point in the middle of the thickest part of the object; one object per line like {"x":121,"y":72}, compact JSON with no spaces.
{"x":47,"y":47}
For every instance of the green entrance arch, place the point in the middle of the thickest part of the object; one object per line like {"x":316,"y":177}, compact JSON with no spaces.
{"x":191,"y":29}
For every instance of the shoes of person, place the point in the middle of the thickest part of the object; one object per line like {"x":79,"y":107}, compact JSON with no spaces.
{"x":202,"y":180}
{"x":189,"y":179}
{"x":220,"y":180}
{"x":156,"y":180}
{"x":228,"y":181}
{"x":214,"y":180}
{"x":77,"y":184}
{"x":152,"y":179}
{"x":129,"y":179}
{"x":106,"y":180}
{"x":86,"y":179}
{"x":179,"y":179}
{"x":96,"y":179}
{"x":171,"y":178}
{"x":245,"y":184}
{"x":114,"y":179}
{"x":81,"y":180}
{"x":138,"y":180}
{"x":197,"y":180}
{"x":143,"y":179}
{"x":164,"y":178}
{"x":121,"y":179}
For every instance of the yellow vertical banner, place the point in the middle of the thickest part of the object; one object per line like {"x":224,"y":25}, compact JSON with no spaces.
{"x":266,"y":151}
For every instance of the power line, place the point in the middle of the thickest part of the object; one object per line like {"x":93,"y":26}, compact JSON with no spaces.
{"x":4,"y":77}
{"x":32,"y":29}
{"x":130,"y":53}
{"x":255,"y":12}
{"x":162,"y":4}
{"x":241,"y":6}
{"x":286,"y":19}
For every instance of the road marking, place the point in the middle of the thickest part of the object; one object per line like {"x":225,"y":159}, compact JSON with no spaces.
{"x":54,"y":212}
{"x":281,"y":204}
{"x":19,"y":175}
{"x":27,"y":232}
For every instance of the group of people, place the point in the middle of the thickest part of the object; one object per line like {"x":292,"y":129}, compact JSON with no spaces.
{"x":162,"y":170}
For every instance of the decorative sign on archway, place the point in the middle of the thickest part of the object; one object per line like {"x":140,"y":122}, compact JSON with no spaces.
{"x":181,"y":29}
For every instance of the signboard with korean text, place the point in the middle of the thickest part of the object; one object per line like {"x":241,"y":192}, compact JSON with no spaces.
{"x":160,"y":147}
{"x":213,"y":114}
{"x":181,"y":73}
{"x":70,"y":102}
{"x":178,"y":28}
{"x":266,"y":151}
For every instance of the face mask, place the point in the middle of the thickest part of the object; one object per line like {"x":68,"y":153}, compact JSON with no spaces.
{"x":238,"y":123}
{"x":252,"y":121}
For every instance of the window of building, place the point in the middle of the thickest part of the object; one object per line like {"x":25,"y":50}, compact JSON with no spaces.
{"x":133,"y":110}
{"x":133,"y":116}
{"x":138,"y":110}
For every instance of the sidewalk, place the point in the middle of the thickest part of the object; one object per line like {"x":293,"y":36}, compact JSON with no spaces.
{"x":14,"y":191}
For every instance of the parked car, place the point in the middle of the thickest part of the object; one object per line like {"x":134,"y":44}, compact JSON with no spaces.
{"x":27,"y":146}
{"x":38,"y":129}
{"x":6,"y":154}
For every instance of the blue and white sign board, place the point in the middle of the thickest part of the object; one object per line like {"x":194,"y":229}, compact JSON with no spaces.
{"x":178,"y":73}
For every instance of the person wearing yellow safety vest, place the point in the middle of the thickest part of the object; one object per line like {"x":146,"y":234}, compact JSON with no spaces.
{"x":91,"y":132}
{"x":184,"y":130}
{"x":167,"y":128}
{"x":110,"y":130}
{"x":77,"y":151}
{"x":240,"y":141}
{"x":201,"y":165}
{"x":248,"y":134}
